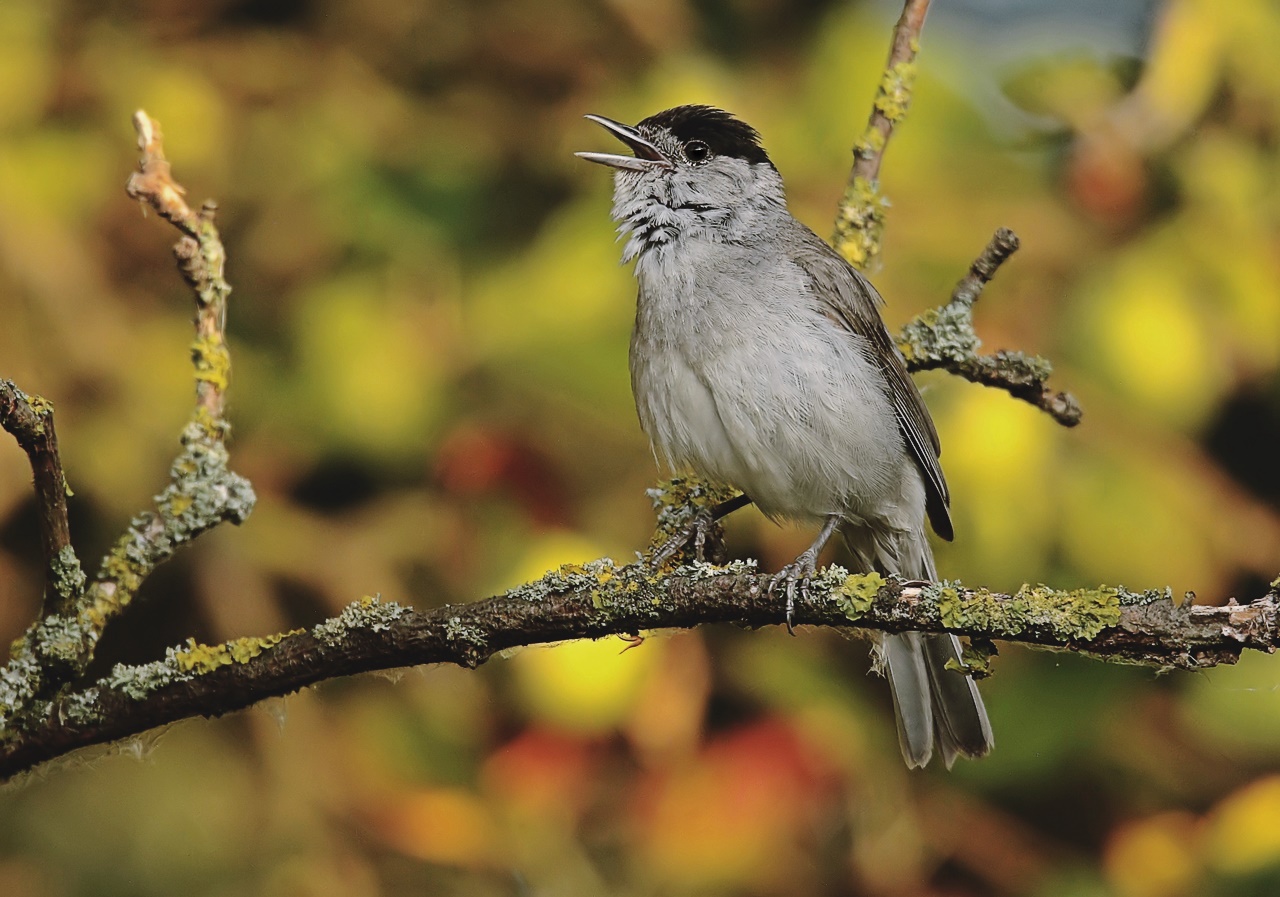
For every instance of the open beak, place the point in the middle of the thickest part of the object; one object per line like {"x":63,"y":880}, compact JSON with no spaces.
{"x":647,"y":156}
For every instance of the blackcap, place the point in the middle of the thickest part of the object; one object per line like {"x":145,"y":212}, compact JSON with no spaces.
{"x":759,"y":360}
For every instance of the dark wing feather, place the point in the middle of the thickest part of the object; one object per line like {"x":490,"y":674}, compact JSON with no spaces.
{"x":854,"y":302}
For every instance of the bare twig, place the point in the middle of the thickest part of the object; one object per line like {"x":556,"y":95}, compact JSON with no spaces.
{"x":1004,"y":243}
{"x":600,"y":599}
{"x":30,"y":420}
{"x":945,"y":338}
{"x":860,"y":215}
{"x":201,"y":259}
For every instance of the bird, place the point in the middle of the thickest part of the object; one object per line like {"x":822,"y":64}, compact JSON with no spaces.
{"x":759,"y":360}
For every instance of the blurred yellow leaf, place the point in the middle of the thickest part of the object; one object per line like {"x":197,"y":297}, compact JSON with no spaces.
{"x":998,"y":458}
{"x":1154,"y":857}
{"x":1108,"y":492}
{"x":1242,"y":836}
{"x":583,"y":686}
{"x":1152,"y":336}
{"x":26,"y":65}
{"x":370,"y":373}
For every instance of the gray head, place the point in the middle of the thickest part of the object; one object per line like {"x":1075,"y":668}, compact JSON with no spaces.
{"x":696,"y":172}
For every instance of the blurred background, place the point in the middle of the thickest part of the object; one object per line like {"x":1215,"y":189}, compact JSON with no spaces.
{"x":430,"y":395}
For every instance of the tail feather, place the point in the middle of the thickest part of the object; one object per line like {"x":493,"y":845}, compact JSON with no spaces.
{"x":933,"y":705}
{"x":909,"y":683}
{"x":960,"y":717}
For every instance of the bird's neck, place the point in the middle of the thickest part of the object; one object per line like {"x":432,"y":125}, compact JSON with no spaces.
{"x":665,"y":221}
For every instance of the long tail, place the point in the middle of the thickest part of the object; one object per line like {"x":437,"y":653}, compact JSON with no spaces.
{"x":933,"y":704}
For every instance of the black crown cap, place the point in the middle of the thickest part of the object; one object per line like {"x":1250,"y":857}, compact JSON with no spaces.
{"x":724,"y":134}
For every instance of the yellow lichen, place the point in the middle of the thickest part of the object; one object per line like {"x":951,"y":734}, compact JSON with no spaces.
{"x":41,"y":406}
{"x":1075,"y":615}
{"x":212,"y":361}
{"x":871,"y":143}
{"x":855,"y":595}
{"x":860,"y":222}
{"x":894,"y":97}
{"x":197,"y":658}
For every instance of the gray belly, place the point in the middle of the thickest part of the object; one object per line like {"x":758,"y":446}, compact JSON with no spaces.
{"x":779,"y":403}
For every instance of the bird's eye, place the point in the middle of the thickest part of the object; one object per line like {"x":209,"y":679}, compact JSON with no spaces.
{"x":697,"y":151}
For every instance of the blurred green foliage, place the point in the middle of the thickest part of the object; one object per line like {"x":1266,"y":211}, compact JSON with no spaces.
{"x":430,"y":395}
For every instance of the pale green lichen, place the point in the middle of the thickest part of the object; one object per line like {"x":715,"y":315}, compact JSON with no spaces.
{"x":567,"y":578}
{"x":1147,"y":597}
{"x":81,"y":707}
{"x":940,"y":334}
{"x":370,"y":612}
{"x":468,"y":635}
{"x":140,"y":680}
{"x":18,"y":681}
{"x":678,"y":501}
{"x":870,"y":144}
{"x":39,"y":405}
{"x":67,"y":576}
{"x":62,"y":639}
{"x":975,"y":658}
{"x":702,"y":570}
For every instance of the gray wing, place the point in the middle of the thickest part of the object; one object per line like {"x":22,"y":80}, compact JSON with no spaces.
{"x":853,"y":301}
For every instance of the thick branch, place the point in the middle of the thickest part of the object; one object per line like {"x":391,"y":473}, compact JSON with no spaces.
{"x":860,"y":215}
{"x":599,"y":599}
{"x":30,"y":420}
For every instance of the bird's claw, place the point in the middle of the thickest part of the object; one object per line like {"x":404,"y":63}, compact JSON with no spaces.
{"x":797,"y":575}
{"x":696,"y":533}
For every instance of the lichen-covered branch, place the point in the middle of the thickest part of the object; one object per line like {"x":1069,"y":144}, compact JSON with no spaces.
{"x":942,"y":337}
{"x":29,"y":419}
{"x":201,"y":493}
{"x":945,"y":338}
{"x":600,"y":599}
{"x":860,"y":215}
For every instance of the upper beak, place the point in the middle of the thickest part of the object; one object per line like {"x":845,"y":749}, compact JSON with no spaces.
{"x":647,"y":156}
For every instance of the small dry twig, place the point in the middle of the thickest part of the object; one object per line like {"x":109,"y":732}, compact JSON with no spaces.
{"x":944,"y":338}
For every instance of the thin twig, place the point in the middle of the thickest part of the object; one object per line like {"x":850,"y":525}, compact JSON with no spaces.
{"x":30,"y":420}
{"x":202,"y":491}
{"x":201,"y":259}
{"x":944,"y":338}
{"x":860,"y":215}
{"x":1003,"y":244}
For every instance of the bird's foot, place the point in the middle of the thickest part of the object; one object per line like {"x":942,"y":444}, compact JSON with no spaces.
{"x":701,"y":532}
{"x":793,"y":577}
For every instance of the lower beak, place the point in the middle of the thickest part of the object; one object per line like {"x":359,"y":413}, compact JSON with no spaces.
{"x":647,"y":156}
